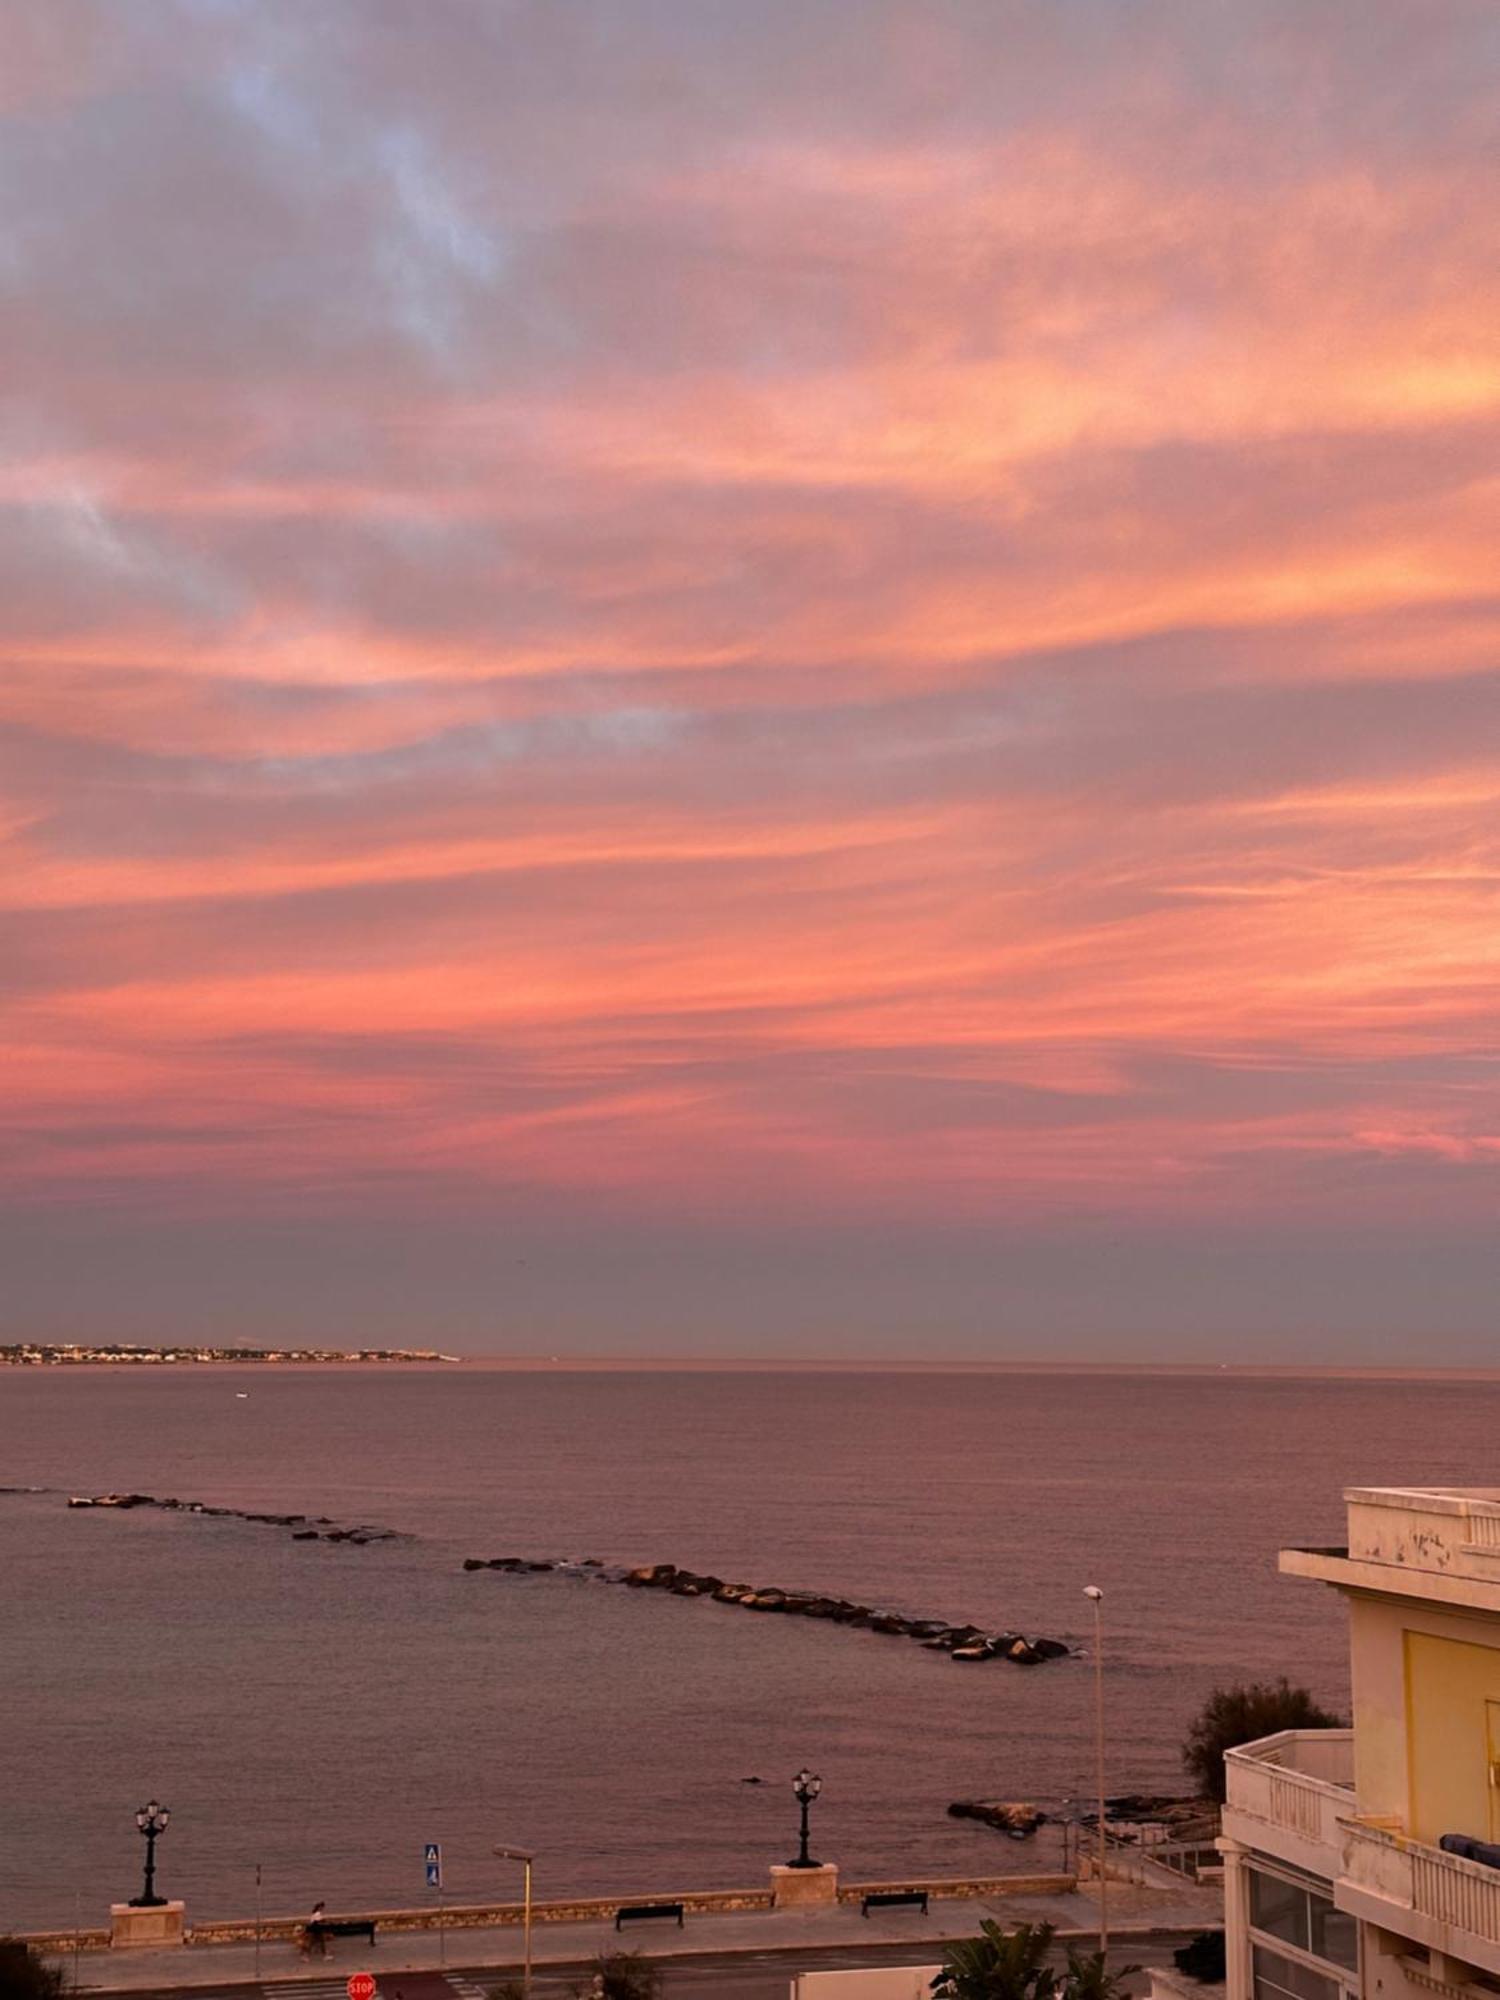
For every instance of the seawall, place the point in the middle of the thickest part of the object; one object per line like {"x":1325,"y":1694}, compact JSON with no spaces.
{"x":580,"y":1909}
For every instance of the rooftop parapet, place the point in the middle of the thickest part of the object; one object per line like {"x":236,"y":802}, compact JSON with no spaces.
{"x":1436,"y":1542}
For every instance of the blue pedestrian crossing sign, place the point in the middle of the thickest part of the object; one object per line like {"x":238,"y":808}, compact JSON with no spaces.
{"x":432,"y":1856}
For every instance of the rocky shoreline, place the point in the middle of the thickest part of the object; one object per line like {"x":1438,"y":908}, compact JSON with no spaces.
{"x":961,"y":1642}
{"x":317,"y":1528}
{"x":1125,"y":1812}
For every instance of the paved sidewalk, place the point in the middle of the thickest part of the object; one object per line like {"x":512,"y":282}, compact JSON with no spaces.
{"x":473,"y":1958}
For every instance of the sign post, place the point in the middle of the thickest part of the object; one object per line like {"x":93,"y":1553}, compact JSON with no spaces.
{"x":360,"y":1986}
{"x":432,"y":1861}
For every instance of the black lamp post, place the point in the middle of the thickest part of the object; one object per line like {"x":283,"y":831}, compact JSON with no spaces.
{"x":805,"y":1788}
{"x":152,"y":1821}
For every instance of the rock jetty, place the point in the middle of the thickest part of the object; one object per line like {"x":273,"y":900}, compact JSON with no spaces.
{"x":938,"y":1635}
{"x":304,"y":1529}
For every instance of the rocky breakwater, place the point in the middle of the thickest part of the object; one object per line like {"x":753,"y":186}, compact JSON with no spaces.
{"x":304,"y":1529}
{"x":965,"y":1643}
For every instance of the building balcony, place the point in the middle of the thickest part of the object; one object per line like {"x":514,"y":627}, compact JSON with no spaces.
{"x":1419,"y":1892}
{"x":1289,"y":1795}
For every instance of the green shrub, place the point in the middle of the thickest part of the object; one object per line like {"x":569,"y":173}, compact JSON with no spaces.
{"x":1203,"y":1958}
{"x":1235,"y":1715}
{"x":25,"y":1974}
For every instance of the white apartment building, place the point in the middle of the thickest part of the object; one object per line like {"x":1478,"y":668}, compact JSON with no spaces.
{"x":1336,"y":1883}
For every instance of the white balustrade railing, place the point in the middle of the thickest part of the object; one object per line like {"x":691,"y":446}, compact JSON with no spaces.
{"x":1462,"y":1894}
{"x":1265,"y":1783}
{"x":1297,"y":1803}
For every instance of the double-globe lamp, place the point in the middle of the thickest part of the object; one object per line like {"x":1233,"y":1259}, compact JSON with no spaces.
{"x":152,"y":1822}
{"x":805,"y":1788}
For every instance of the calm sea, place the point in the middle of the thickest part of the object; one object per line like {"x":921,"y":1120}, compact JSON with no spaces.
{"x":324,"y":1710}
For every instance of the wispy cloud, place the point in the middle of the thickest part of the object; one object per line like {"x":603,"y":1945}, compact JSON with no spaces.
{"x":691,"y":614}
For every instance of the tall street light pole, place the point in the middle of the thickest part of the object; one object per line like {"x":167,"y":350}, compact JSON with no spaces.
{"x":152,"y":1822}
{"x":520,"y":1854}
{"x":1096,"y":1597}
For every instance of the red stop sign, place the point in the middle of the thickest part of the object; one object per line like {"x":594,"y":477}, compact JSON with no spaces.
{"x":360,"y":1986}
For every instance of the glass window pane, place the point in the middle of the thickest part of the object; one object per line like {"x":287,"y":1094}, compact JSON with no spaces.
{"x":1335,"y":1935}
{"x":1278,"y":1907}
{"x":1278,"y":1978}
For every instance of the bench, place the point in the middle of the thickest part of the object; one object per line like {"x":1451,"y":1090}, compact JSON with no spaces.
{"x":639,"y":1913}
{"x":327,"y":1927}
{"x":887,"y":1899}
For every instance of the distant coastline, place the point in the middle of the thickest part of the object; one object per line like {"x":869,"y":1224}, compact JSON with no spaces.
{"x":125,"y":1353}
{"x":46,"y":1354}
{"x":786,"y":1364}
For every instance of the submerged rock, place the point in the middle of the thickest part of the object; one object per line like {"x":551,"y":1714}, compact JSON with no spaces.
{"x":1013,"y":1816}
{"x":654,"y":1575}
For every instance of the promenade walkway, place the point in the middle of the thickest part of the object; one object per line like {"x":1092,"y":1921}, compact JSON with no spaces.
{"x":462,"y":1965}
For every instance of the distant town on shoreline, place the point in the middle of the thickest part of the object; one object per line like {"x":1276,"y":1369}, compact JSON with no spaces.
{"x":45,"y":1354}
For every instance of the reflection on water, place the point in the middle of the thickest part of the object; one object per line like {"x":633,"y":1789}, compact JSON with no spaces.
{"x":325,"y":1710}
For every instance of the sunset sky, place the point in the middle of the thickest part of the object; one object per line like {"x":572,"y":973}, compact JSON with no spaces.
{"x":752,"y":676}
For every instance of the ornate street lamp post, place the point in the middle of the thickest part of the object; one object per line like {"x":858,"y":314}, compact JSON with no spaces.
{"x":152,"y":1821}
{"x":805,"y":1788}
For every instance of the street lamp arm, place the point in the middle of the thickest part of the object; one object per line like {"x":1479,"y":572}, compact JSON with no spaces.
{"x":526,"y":1858}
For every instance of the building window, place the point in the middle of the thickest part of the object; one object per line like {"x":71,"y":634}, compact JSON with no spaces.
{"x":1278,"y":1908}
{"x":1335,"y":1935}
{"x":1276,"y":1978}
{"x":1304,"y":1918}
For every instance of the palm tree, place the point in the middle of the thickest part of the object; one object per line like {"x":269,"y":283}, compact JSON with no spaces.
{"x":1012,"y":1965}
{"x":622,"y":1975}
{"x":1088,"y":1977}
{"x":999,"y":1965}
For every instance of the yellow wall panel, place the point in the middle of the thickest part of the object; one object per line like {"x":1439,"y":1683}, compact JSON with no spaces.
{"x":1448,"y":1684}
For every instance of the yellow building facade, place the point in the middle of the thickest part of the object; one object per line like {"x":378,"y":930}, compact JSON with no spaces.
{"x":1364,"y":1864}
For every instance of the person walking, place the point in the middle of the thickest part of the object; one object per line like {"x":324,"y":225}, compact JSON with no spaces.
{"x":313,"y":1933}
